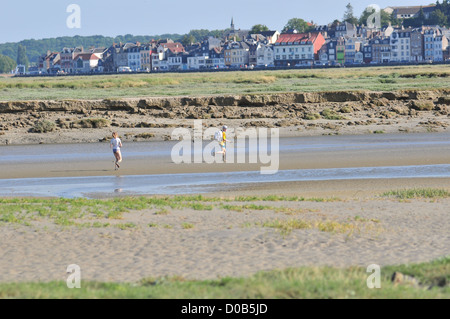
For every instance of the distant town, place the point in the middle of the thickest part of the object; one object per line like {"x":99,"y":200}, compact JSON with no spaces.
{"x":333,"y":45}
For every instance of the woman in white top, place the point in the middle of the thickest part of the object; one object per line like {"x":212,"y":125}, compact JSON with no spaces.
{"x":116,"y":144}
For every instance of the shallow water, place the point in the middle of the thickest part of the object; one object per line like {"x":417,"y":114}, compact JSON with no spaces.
{"x":101,"y":151}
{"x":105,"y":186}
{"x":174,"y":184}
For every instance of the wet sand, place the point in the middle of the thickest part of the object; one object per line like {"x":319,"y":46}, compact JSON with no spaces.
{"x":223,"y":242}
{"x":154,"y":158}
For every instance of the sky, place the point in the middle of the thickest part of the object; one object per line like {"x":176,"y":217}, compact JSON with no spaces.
{"x":22,"y":20}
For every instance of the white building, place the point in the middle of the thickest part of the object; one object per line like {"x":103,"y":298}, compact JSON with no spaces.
{"x":175,"y":61}
{"x":134,"y":58}
{"x":401,"y":45}
{"x":297,"y":48}
{"x":264,"y":55}
{"x":435,"y":43}
{"x":197,"y":62}
{"x":85,"y":62}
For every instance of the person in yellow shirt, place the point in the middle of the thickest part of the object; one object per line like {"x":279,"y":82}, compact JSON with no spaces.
{"x":223,"y":143}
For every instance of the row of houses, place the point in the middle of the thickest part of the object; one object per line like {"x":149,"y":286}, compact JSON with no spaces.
{"x":411,"y":45}
{"x":341,"y":44}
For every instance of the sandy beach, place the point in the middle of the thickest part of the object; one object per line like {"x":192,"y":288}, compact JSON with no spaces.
{"x":225,"y":243}
{"x":220,"y":241}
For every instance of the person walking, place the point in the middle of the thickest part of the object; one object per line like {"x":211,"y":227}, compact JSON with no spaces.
{"x":223,"y":143}
{"x":116,"y":145}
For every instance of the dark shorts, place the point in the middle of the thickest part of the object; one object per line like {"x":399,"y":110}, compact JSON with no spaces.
{"x":115,"y":151}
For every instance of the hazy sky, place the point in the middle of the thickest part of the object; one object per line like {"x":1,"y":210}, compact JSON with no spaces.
{"x":20,"y":20}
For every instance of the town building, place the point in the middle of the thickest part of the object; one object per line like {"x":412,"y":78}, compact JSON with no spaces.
{"x":352,"y":47}
{"x":381,"y":50}
{"x":435,"y":43}
{"x":297,"y":48}
{"x":345,"y":30}
{"x":408,"y":12}
{"x":400,"y":41}
{"x":134,"y":57}
{"x":367,"y":53}
{"x":85,"y":62}
{"x":417,"y":45}
{"x":236,"y":54}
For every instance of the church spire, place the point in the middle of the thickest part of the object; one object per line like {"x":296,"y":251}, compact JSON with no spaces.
{"x":232,"y":23}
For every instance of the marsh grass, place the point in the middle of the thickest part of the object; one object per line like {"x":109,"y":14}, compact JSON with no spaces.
{"x":44,"y":126}
{"x":423,"y":105}
{"x":331,"y":115}
{"x":313,"y":116}
{"x":219,"y":83}
{"x":187,"y":226}
{"x":291,"y":283}
{"x":418,"y":193}
{"x":328,"y":226}
{"x":92,"y":123}
{"x":85,"y":212}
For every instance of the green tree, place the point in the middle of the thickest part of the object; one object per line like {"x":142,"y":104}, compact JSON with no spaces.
{"x":349,"y":16}
{"x":394,"y":20}
{"x":421,"y":17}
{"x":419,"y":21}
{"x":438,"y":18}
{"x":385,"y":18}
{"x":258,"y":28}
{"x":22,"y":58}
{"x":335,"y":23}
{"x":187,"y":40}
{"x":297,"y":24}
{"x":6,"y":64}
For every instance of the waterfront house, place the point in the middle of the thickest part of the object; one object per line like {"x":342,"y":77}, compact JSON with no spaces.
{"x":297,"y":48}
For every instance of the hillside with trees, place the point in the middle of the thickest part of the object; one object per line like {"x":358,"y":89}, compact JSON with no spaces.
{"x":440,"y":16}
{"x":6,"y":64}
{"x":35,"y":48}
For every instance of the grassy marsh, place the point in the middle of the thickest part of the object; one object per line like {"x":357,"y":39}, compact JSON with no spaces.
{"x":293,"y":283}
{"x":109,"y":212}
{"x":418,"y":193}
{"x":220,"y":83}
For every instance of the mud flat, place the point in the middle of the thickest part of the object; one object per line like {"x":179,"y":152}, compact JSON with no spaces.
{"x":296,"y":114}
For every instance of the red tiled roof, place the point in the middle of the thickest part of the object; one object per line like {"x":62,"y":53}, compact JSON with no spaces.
{"x":86,"y":56}
{"x":297,"y":38}
{"x":174,"y":47}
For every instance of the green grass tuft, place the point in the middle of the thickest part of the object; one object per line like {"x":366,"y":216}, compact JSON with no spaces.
{"x":418,"y":193}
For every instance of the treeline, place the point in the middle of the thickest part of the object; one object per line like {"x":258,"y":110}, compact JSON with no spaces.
{"x":35,"y":48}
{"x":440,"y":16}
{"x":6,"y":64}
